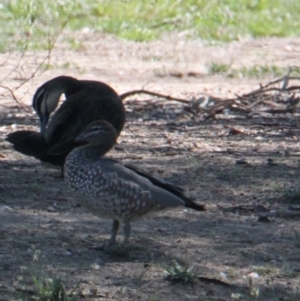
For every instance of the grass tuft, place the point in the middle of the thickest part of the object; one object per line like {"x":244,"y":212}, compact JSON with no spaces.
{"x":52,"y":289}
{"x":291,"y":195}
{"x":218,"y":68}
{"x":117,"y":250}
{"x":180,"y":273}
{"x":40,"y":284}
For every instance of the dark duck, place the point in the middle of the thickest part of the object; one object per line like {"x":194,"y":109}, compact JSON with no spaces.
{"x":86,"y":101}
{"x":112,"y":190}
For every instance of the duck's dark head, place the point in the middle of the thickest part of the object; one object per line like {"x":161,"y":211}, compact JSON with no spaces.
{"x":100,"y":133}
{"x":46,"y":97}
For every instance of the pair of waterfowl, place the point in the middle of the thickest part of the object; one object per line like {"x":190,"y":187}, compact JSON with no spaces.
{"x":82,"y":130}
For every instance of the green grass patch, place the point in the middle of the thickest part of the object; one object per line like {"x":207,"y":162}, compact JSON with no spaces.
{"x":25,"y":22}
{"x":255,"y":71}
{"x":218,"y":68}
{"x":258,"y":71}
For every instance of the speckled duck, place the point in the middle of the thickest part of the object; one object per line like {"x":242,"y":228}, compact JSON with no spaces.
{"x":112,"y":190}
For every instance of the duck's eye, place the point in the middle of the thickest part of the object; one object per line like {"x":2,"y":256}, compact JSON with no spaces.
{"x":96,"y":128}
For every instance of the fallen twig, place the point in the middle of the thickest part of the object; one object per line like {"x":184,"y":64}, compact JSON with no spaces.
{"x":142,"y":91}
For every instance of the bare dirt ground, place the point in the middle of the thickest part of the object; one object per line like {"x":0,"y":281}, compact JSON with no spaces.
{"x":42,"y":232}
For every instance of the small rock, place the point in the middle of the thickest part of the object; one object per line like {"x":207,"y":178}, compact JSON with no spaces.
{"x":271,"y":162}
{"x":51,"y":209}
{"x":223,"y":276}
{"x":263,"y":219}
{"x":241,"y":161}
{"x":5,"y":208}
{"x":253,"y":275}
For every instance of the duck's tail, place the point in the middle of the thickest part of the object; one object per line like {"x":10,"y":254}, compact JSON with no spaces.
{"x":33,"y":144}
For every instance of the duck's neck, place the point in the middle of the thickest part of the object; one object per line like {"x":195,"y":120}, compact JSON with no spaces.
{"x":90,"y":152}
{"x":66,"y":84}
{"x":71,"y":86}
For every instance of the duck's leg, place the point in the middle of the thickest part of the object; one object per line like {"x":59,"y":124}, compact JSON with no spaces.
{"x":62,"y":172}
{"x":127,"y":229}
{"x":114,"y":232}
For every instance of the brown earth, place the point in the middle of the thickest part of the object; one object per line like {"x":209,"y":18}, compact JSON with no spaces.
{"x":42,"y":232}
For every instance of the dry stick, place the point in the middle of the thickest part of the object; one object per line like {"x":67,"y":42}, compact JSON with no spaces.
{"x":263,"y":98}
{"x":232,"y":103}
{"x":190,"y":110}
{"x":292,"y":88}
{"x":142,"y":91}
{"x":6,"y":59}
{"x":264,"y":88}
{"x":50,"y":48}
{"x":255,"y":93}
{"x":48,"y":56}
{"x":285,"y":79}
{"x":268,"y":88}
{"x":256,"y":103}
{"x":16,"y":99}
{"x":279,"y":111}
{"x":17,"y":66}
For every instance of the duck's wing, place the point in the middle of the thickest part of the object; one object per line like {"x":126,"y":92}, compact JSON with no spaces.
{"x":172,"y":188}
{"x":157,"y":180}
{"x":64,"y":122}
{"x":164,"y":192}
